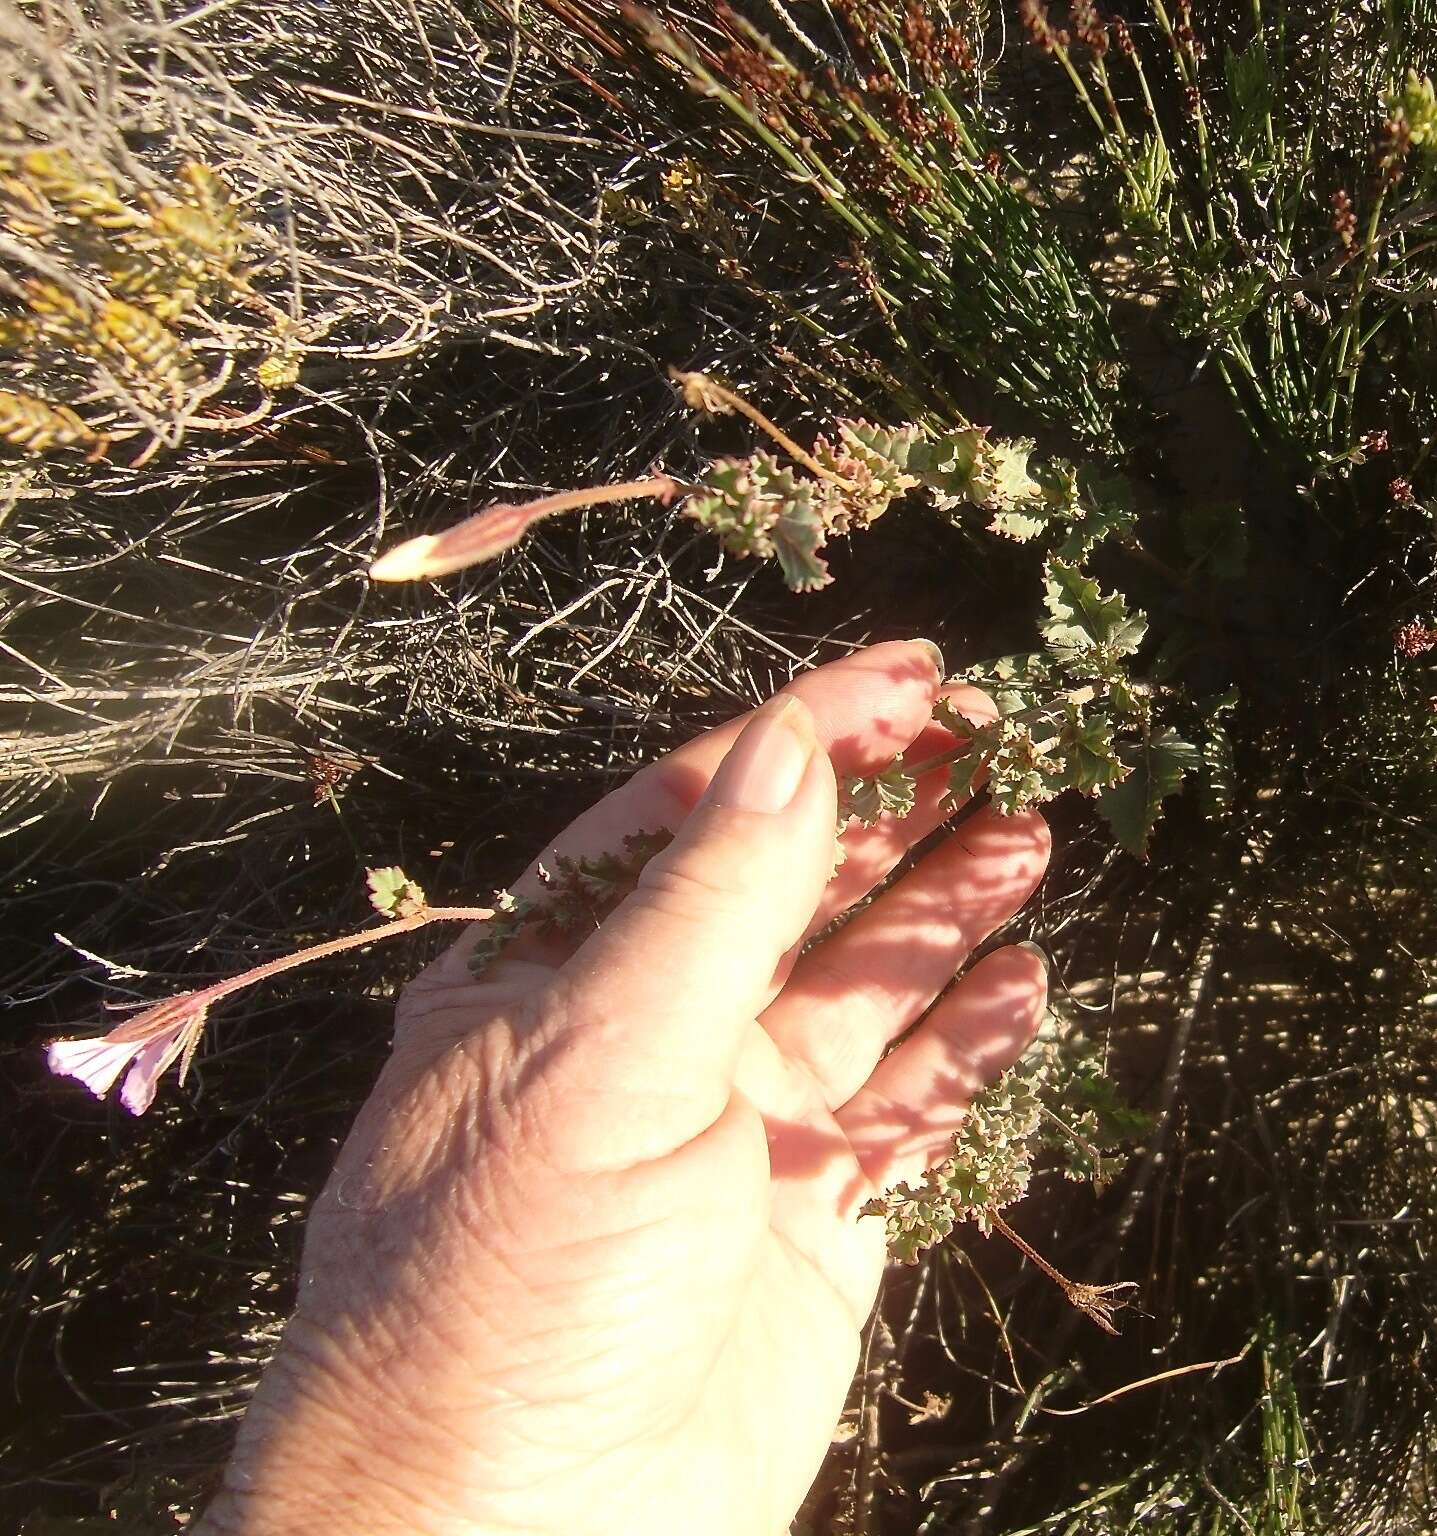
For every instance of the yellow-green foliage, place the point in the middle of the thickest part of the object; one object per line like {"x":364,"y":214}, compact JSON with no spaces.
{"x":124,"y":276}
{"x":37,"y":425}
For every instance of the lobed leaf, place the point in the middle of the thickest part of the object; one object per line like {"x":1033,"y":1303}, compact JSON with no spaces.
{"x":1086,"y":630}
{"x":1090,"y":757}
{"x":1157,"y":767}
{"x":393,"y":894}
{"x":888,"y":793}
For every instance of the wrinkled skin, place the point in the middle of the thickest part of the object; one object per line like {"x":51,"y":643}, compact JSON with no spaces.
{"x":590,"y":1259}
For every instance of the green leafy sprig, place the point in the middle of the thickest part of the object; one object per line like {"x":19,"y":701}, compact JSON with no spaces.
{"x":578,"y":894}
{"x":1070,"y":716}
{"x":1056,"y":1109}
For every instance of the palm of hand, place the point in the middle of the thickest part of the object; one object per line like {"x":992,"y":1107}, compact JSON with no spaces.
{"x":558,"y":1283}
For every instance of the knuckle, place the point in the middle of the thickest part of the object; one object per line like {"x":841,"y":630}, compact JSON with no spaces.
{"x":686,"y":889}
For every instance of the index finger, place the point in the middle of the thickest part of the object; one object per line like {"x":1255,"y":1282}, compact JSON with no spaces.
{"x":866,"y":708}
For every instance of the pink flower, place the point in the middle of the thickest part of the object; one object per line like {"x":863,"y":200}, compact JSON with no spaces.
{"x":148,"y":1044}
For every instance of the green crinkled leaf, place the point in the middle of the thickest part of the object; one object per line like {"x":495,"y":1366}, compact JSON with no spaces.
{"x":1003,"y":474}
{"x":1022,"y":524}
{"x":1105,"y":512}
{"x":761,"y":508}
{"x":963,"y":774}
{"x":1158,"y":766}
{"x":1087,"y":631}
{"x":982,"y":743}
{"x":1017,"y":682}
{"x":1127,"y":697}
{"x":1089,"y":754}
{"x":1021,"y":772}
{"x":1054,"y":1102}
{"x":733,"y":503}
{"x":798,"y":534}
{"x":1061,"y":485}
{"x":895,"y":444}
{"x":580,"y":893}
{"x":890,"y":792}
{"x":392,"y":893}
{"x":511,"y":915}
{"x":1088,"y":1121}
{"x":947,"y":466}
{"x":874,"y":462}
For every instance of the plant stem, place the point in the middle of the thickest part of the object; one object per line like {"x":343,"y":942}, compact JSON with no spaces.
{"x":391,"y":930}
{"x":500,"y":527}
{"x":1091,"y":1300}
{"x":1352,"y":323}
{"x":703,"y":384}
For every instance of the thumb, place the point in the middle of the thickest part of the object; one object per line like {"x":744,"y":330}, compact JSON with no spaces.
{"x":656,"y":1004}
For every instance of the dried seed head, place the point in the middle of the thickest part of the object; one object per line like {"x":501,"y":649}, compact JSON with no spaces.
{"x":700,"y":394}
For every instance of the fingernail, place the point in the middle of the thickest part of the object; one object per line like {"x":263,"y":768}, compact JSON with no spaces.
{"x":935,"y":656}
{"x":765,"y":766}
{"x":1033,"y":949}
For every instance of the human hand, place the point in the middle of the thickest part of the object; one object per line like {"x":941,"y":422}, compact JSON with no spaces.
{"x":590,"y":1260}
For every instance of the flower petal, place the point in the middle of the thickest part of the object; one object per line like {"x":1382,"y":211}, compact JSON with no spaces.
{"x":150,"y":1063}
{"x":96,"y":1063}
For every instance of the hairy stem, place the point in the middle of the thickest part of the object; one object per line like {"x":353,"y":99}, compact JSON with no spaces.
{"x":703,"y":384}
{"x":390,"y":930}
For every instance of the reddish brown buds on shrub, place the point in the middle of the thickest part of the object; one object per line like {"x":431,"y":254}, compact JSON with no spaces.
{"x":1089,"y":26}
{"x":1123,"y":37}
{"x":1184,"y":33}
{"x":956,"y":50}
{"x":1344,"y":219}
{"x":1414,"y":639}
{"x":1375,"y":441}
{"x":748,"y":68}
{"x":921,"y":37}
{"x":1034,"y":16}
{"x":1400,"y":490}
{"x":862,"y":17}
{"x":1394,"y":144}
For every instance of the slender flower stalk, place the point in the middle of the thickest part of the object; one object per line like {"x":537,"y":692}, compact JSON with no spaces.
{"x":500,"y":527}
{"x":702,"y":393}
{"x":151,"y":1042}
